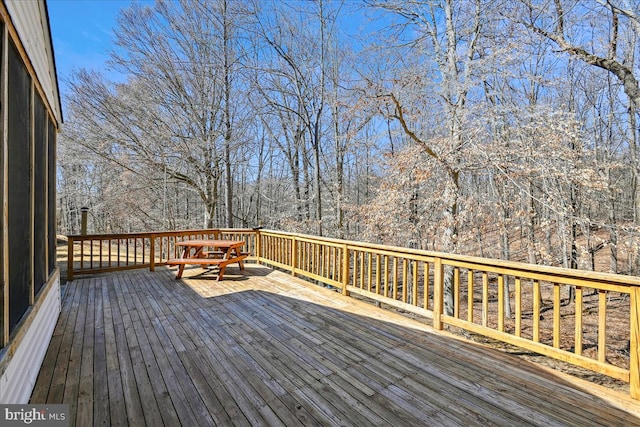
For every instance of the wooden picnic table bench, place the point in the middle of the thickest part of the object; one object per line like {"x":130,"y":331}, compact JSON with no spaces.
{"x":223,"y":253}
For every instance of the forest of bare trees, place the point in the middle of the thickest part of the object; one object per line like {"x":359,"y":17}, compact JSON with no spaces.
{"x":506,"y":129}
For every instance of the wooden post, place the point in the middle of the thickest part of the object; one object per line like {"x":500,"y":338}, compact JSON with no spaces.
{"x":345,"y":270}
{"x":70,"y":259}
{"x":294,"y":256}
{"x":258,"y":247}
{"x":152,"y":253}
{"x":83,"y":220}
{"x":634,"y":336}
{"x":438,"y":293}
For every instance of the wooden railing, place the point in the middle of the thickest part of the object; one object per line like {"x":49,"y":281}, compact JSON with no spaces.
{"x":543,"y":318}
{"x":99,"y":253}
{"x":561,"y":313}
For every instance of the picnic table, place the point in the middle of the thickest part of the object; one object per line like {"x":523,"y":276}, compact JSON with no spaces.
{"x":220,"y":253}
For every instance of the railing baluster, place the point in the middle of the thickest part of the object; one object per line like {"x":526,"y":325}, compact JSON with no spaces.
{"x":414,"y":277}
{"x":294,"y":256}
{"x":395,"y":278}
{"x":369,"y":270}
{"x":536,"y":311}
{"x":470,"y":301}
{"x":518,"y":291}
{"x":385,"y":277}
{"x":501,"y":300}
{"x":556,"y":315}
{"x":362,"y":275}
{"x":634,"y":343}
{"x":332,"y":256}
{"x":345,"y":271}
{"x":438,"y":293}
{"x":405,"y":281}
{"x":152,"y":253}
{"x":70,"y":258}
{"x":426,"y":285}
{"x":258,"y":253}
{"x":325,"y":263}
{"x":456,"y":292}
{"x":485,"y":299}
{"x":354,"y":270}
{"x":338,"y":261}
{"x":316,"y":260}
{"x":602,"y":325}
{"x":578,"y":322}
{"x":378,"y":272}
{"x":82,"y":254}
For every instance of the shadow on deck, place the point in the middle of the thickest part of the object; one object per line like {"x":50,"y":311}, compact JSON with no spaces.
{"x":264,"y":348}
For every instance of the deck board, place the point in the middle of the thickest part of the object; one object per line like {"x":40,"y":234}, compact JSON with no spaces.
{"x":263,"y":348}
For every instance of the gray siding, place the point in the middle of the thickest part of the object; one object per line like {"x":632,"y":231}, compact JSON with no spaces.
{"x":31,"y":22}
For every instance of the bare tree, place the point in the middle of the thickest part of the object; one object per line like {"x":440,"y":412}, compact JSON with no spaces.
{"x":443,"y":40}
{"x":610,"y":56}
{"x":177,"y":113}
{"x":503,"y":130}
{"x":295,"y":86}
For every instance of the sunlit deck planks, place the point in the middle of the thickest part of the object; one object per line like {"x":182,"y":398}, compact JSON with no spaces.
{"x":266,"y":349}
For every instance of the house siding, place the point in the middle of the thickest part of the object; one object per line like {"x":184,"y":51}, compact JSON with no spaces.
{"x":30,"y":300}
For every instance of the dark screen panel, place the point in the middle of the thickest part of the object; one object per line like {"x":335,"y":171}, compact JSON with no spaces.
{"x":40,"y":195}
{"x":19,"y":194}
{"x":51,"y":194}
{"x":2,"y":196}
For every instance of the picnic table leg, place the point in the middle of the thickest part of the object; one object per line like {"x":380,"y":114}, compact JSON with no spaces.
{"x":241,"y":262}
{"x":221,"y":272}
{"x":180,"y":270}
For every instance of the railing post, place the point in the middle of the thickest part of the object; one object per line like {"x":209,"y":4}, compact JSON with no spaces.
{"x":258,"y":247}
{"x":69,"y":259}
{"x":152,"y":253}
{"x":83,"y":220}
{"x":634,"y":336}
{"x":438,"y":293}
{"x":345,"y":270}
{"x":294,"y":256}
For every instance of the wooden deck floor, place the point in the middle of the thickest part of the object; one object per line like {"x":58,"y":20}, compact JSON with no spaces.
{"x":141,"y":348}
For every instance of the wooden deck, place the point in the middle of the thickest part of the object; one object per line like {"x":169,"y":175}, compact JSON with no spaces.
{"x":263,"y":348}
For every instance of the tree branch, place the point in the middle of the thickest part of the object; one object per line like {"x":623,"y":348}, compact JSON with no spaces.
{"x":623,"y":73}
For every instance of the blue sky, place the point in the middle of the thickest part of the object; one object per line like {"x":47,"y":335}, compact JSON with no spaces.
{"x":82,"y":33}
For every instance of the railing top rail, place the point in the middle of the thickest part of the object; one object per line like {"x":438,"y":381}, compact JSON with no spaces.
{"x":159,"y":233}
{"x":512,"y":266}
{"x":515,"y":266}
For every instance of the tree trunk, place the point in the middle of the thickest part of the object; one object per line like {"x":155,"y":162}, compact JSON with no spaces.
{"x":613,"y":232}
{"x":506,"y":254}
{"x":530,"y":226}
{"x":339,"y":176}
{"x":635,"y":183}
{"x":228,"y":132}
